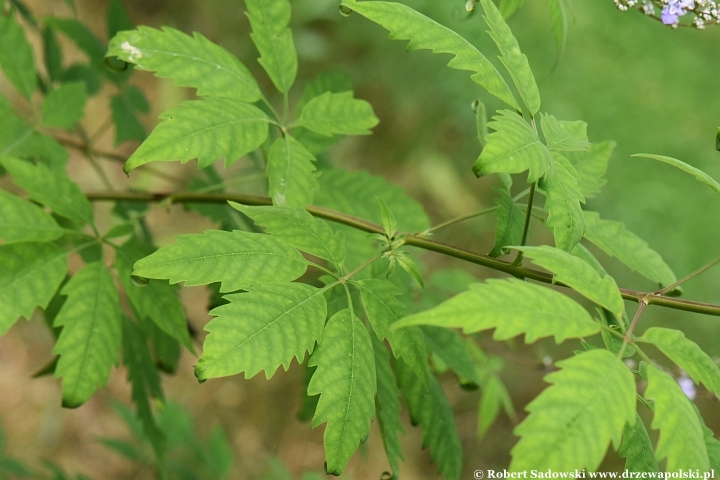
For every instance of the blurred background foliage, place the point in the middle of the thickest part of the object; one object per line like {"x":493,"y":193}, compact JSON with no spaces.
{"x":649,"y":88}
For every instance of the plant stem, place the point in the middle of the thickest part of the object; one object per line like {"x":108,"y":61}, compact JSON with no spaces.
{"x":414,"y":240}
{"x":457,"y":220}
{"x":697,"y":272}
{"x":526,"y":227}
{"x":627,"y":338}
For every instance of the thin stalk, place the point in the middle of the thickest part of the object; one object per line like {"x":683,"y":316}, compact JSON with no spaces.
{"x":457,"y":220}
{"x":100,"y":131}
{"x":320,"y":267}
{"x":697,"y":272}
{"x":627,"y":338}
{"x":526,"y":227}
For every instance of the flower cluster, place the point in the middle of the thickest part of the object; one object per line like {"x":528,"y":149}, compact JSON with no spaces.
{"x":703,"y":11}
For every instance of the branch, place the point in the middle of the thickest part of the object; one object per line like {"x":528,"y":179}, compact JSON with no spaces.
{"x":411,"y":240}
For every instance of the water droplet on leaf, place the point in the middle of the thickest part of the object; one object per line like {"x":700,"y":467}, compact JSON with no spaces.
{"x":139,"y":281}
{"x":344,"y":10}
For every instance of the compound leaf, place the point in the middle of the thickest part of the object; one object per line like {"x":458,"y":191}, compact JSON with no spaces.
{"x":591,"y":166}
{"x":290,"y":173}
{"x":191,"y":61}
{"x":89,"y":343}
{"x":337,"y":114}
{"x":299,"y":229}
{"x":686,"y":354}
{"x":513,"y":148}
{"x":572,"y":422}
{"x":208,"y":130}
{"x":511,"y":307}
{"x":564,"y":135}
{"x":430,"y":409}
{"x":261,"y":330}
{"x":51,"y":188}
{"x":16,"y":56}
{"x":272,"y":37}
{"x":346,"y":381}
{"x":514,"y":60}
{"x":510,"y":222}
{"x":23,"y":221}
{"x":64,"y":106}
{"x":236,"y":259}
{"x":681,"y":435}
{"x":30,"y":274}
{"x":404,"y":23}
{"x":695,"y":172}
{"x":634,"y":252}
{"x":578,"y":275}
{"x":637,"y":449}
{"x":388,"y":405}
{"x":383,"y":309}
{"x":563,"y":203}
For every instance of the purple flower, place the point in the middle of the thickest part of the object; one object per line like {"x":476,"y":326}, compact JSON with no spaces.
{"x":675,"y":9}
{"x":667,"y":17}
{"x":687,"y":385}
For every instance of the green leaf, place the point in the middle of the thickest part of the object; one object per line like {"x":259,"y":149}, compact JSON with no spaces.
{"x":388,"y":406}
{"x":207,"y":130}
{"x":165,"y":349}
{"x":681,"y":434}
{"x":64,"y":106}
{"x":686,"y":354}
{"x":346,"y":381}
{"x":145,"y":381}
{"x":383,"y":309}
{"x":510,"y":222}
{"x":559,"y":24}
{"x":127,"y":125}
{"x":236,"y":259}
{"x":389,"y":222}
{"x":191,"y":61}
{"x":16,"y":467}
{"x":157,"y":301}
{"x":83,"y":37}
{"x":713,"y":446}
{"x":591,"y":166}
{"x":452,"y":349}
{"x":16,"y":56}
{"x":118,"y":18}
{"x":431,"y":410}
{"x":494,"y":396}
{"x":572,"y":422}
{"x":85,"y":74}
{"x":261,"y":330}
{"x":337,"y":114}
{"x":616,"y":241}
{"x":637,"y":449}
{"x":272,"y":37}
{"x":18,"y":138}
{"x":52,"y":54}
{"x":513,"y":148}
{"x":290,"y":173}
{"x":30,"y":274}
{"x":579,"y":276}
{"x":219,"y":454}
{"x":481,"y":122}
{"x":508,"y":7}
{"x":299,"y":229}
{"x":511,"y":307}
{"x":695,"y":172}
{"x":564,"y":135}
{"x":51,"y":188}
{"x":563,"y":203}
{"x":404,"y":23}
{"x":513,"y":59}
{"x":586,"y":256}
{"x":22,"y":221}
{"x":89,"y":343}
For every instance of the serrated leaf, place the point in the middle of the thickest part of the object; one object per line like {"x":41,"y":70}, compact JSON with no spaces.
{"x":346,"y":381}
{"x":513,"y":59}
{"x":388,"y":406}
{"x":686,"y":354}
{"x":572,"y":422}
{"x":299,"y":229}
{"x":89,"y":343}
{"x":337,"y":114}
{"x":191,"y":61}
{"x":290,"y":170}
{"x":51,"y":188}
{"x":16,"y":56}
{"x":404,"y":23}
{"x":127,"y":125}
{"x":563,"y":203}
{"x":513,"y":148}
{"x":713,"y":446}
{"x":82,"y":36}
{"x":452,"y":349}
{"x":558,"y":24}
{"x":695,"y":172}
{"x":389,"y":222}
{"x":30,"y":274}
{"x":262,"y":330}
{"x":494,"y":396}
{"x":581,"y":252}
{"x":208,"y":130}
{"x":157,"y":301}
{"x":510,"y":222}
{"x":616,"y":241}
{"x":272,"y":37}
{"x":383,"y":309}
{"x":564,"y":135}
{"x":591,"y":166}
{"x":511,"y":307}
{"x":433,"y":413}
{"x":118,"y":18}
{"x":64,"y":106}
{"x":19,"y":139}
{"x":52,"y":54}
{"x":236,"y":259}
{"x":22,"y":221}
{"x":681,"y":435}
{"x":578,"y":275}
{"x":637,"y":449}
